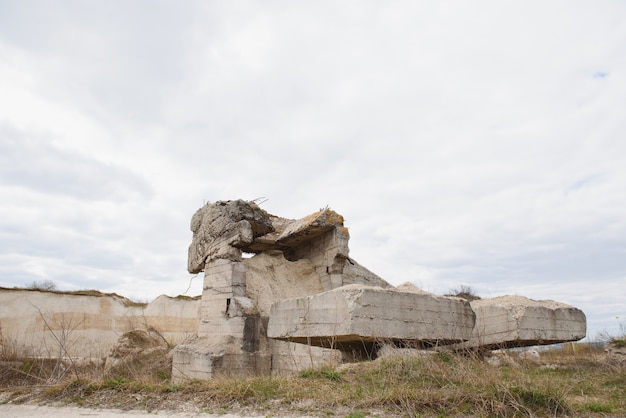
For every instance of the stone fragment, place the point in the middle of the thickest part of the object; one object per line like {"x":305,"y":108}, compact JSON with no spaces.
{"x":516,"y":321}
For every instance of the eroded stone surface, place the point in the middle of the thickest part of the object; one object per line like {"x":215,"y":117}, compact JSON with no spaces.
{"x":222,"y":229}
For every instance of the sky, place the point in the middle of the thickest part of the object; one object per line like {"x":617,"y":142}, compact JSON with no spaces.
{"x":478,"y":144}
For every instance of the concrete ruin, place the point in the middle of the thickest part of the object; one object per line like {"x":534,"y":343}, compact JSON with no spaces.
{"x":282,"y":295}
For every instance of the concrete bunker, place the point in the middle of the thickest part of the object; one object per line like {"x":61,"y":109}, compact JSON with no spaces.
{"x":300,"y":301}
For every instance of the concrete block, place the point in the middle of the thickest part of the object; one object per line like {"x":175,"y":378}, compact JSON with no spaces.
{"x":224,"y":276}
{"x":516,"y":321}
{"x":289,"y":358}
{"x":355,"y":315}
{"x":190,"y":361}
{"x":204,"y":358}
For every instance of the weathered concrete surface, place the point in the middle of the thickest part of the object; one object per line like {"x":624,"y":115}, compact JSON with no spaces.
{"x":516,"y":321}
{"x":270,"y":277}
{"x":89,"y":323}
{"x":357,"y":315}
{"x":220,"y":230}
{"x":292,"y":258}
{"x":201,"y":359}
{"x":301,"y":286}
{"x":289,"y":358}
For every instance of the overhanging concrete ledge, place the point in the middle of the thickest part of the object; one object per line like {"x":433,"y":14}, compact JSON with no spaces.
{"x":357,"y":315}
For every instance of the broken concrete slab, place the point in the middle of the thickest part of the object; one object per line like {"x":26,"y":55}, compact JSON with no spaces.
{"x":516,"y":321}
{"x":355,"y":317}
{"x":289,"y":233}
{"x":220,"y":230}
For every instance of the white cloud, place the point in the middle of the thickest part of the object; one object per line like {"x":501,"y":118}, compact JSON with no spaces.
{"x":464,"y":143}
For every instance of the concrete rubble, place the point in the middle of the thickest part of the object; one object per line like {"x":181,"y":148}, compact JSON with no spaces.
{"x":300,"y":301}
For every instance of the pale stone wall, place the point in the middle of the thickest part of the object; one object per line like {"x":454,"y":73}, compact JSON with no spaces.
{"x":45,"y":324}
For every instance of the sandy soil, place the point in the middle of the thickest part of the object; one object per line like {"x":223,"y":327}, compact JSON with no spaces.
{"x":28,"y":411}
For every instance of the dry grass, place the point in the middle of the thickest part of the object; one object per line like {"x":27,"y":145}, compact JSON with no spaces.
{"x":561,"y":382}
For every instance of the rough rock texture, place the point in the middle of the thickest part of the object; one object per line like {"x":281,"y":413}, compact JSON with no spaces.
{"x":356,"y":316}
{"x":516,"y":321}
{"x":292,"y":258}
{"x":222,"y":229}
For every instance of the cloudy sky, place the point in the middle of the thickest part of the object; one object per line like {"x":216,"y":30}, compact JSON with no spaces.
{"x":466,"y":143}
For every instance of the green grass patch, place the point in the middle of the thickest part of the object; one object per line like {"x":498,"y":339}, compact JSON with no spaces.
{"x":324,"y":373}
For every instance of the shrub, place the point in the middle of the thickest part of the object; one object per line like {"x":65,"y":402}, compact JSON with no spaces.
{"x":465,"y":292}
{"x":42,"y":285}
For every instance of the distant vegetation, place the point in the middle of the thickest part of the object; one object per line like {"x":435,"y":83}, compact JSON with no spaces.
{"x":465,"y":292}
{"x":42,"y":285}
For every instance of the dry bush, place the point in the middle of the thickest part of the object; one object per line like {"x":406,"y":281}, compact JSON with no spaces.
{"x":465,"y":292}
{"x":140,"y":355}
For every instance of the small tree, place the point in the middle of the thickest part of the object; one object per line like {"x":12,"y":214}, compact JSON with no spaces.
{"x":46,"y":284}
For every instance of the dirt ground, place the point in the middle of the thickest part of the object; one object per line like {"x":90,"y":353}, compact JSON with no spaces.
{"x":27,"y":411}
